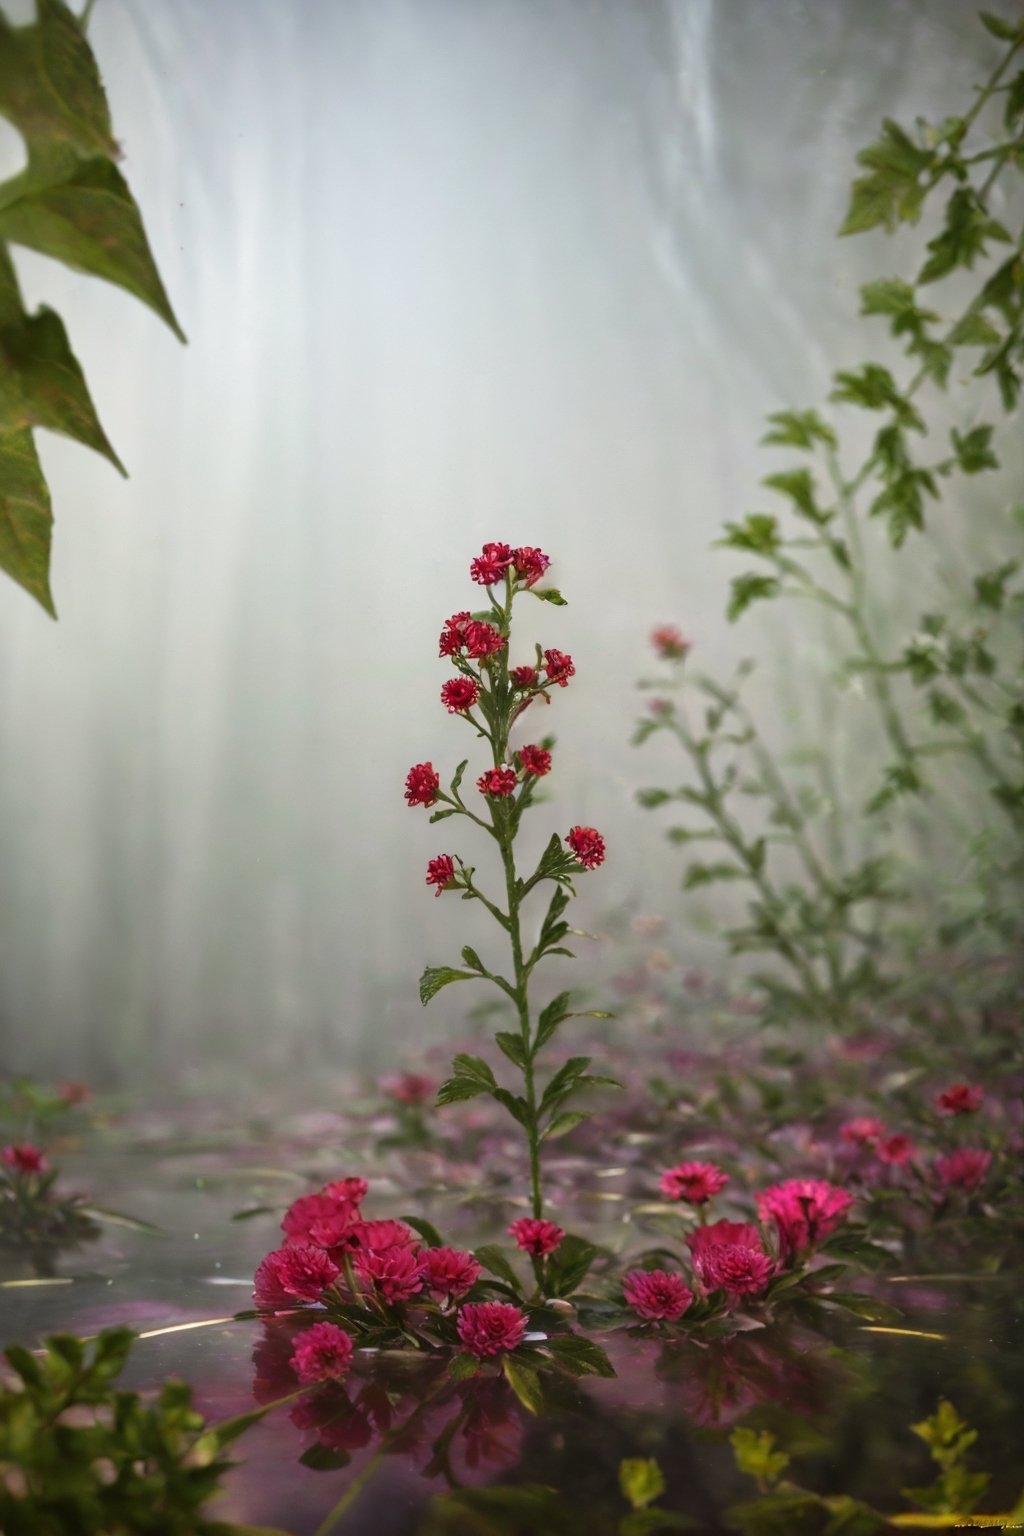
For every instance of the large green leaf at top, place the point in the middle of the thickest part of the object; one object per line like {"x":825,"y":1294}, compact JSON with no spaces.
{"x":26,"y":522}
{"x":81,"y":213}
{"x":50,"y":87}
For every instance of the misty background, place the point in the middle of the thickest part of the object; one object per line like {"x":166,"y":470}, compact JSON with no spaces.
{"x":451,"y":271}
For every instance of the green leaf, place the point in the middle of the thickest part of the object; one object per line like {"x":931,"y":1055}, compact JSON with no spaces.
{"x":706,"y":874}
{"x":887,"y":296}
{"x":514,"y":1103}
{"x":563,"y":1124}
{"x":798,"y":485}
{"x":563,"y":1080}
{"x":550,"y":1018}
{"x":579,"y":1355}
{"x":457,"y":778}
{"x":425,"y":1230}
{"x":494,"y":1261}
{"x":549,"y":595}
{"x":756,"y":1456}
{"x":892,"y":192}
{"x":641,"y":1481}
{"x":26,"y":521}
{"x":799,"y":429}
{"x":1006,"y":31}
{"x":758,"y":533}
{"x":81,"y":212}
{"x":511,"y":1045}
{"x":323,"y":1458}
{"x":474,"y":1067}
{"x":650,"y":799}
{"x":749,"y":589}
{"x":569,"y":1265}
{"x":525,"y":1383}
{"x":973,"y":449}
{"x":462,"y":1366}
{"x":456,"y":1089}
{"x":990,"y":586}
{"x":868,"y":1307}
{"x":437,"y":976}
{"x":50,"y":87}
{"x":974,"y":330}
{"x":963,"y":238}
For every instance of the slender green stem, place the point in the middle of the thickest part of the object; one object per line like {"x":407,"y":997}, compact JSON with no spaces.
{"x":83,"y":20}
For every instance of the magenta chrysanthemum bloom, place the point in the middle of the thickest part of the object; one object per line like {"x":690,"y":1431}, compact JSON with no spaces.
{"x":695,"y":1183}
{"x":896,"y":1150}
{"x":490,"y":1327}
{"x":449,"y":1273}
{"x":322,"y":1353}
{"x":805,"y":1211}
{"x":482,"y":639}
{"x":669,"y":642}
{"x":409,"y":1088}
{"x":525,"y":677}
{"x":587,"y":844}
{"x":655,"y":1295}
{"x":287,"y":1275}
{"x":728,"y":1256}
{"x":963,"y":1169}
{"x":491,"y":565}
{"x":23,"y":1157}
{"x":453,"y":636}
{"x":396,"y":1272}
{"x":441,"y":872}
{"x":530,"y":564}
{"x":535,"y":1236}
{"x":351,"y":1188}
{"x":422,"y":784}
{"x":310,"y":1212}
{"x":372,"y":1235}
{"x":535,"y":760}
{"x":559,"y":667}
{"x":459,"y":694}
{"x":862,"y":1131}
{"x":498,"y":781}
{"x":961,"y":1099}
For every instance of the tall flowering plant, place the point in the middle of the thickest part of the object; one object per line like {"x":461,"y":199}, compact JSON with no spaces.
{"x":489,"y":694}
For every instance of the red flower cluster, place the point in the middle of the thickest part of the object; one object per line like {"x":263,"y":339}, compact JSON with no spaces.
{"x":322,"y":1353}
{"x":535,"y":760}
{"x":536,"y":1236}
{"x":474,"y":636}
{"x":529,"y":564}
{"x":394,"y":1272}
{"x":559,"y":667}
{"x":23,"y":1157}
{"x":805,"y":1211}
{"x":459,"y":694}
{"x":961,"y":1099}
{"x":288,"y":1275}
{"x":490,"y":1327}
{"x":656,"y":1295}
{"x":695,"y":1183}
{"x":453,"y":636}
{"x":588,"y":846}
{"x":896,"y":1150}
{"x":422,"y":784}
{"x":728,"y":1256}
{"x":669,"y":642}
{"x":963,"y":1169}
{"x":449,"y":1273}
{"x":524,"y":677}
{"x":863,"y":1131}
{"x":408,"y":1087}
{"x":441,"y":872}
{"x":498,"y":781}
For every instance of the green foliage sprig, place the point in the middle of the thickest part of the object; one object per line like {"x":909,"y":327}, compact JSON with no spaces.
{"x":70,"y":203}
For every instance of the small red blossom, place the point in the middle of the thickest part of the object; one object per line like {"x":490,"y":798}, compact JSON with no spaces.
{"x":669,"y":642}
{"x":530,"y":564}
{"x":490,"y":1327}
{"x":535,"y":1236}
{"x":498,"y":781}
{"x":728,"y":1256}
{"x":482,"y":639}
{"x":311,"y":1211}
{"x":963,"y":1169}
{"x":559,"y":667}
{"x":693,"y":1182}
{"x":409,"y":1087}
{"x":960,"y":1099}
{"x":863,"y":1131}
{"x":422,"y":784}
{"x":73,"y":1093}
{"x":322,"y":1353}
{"x":587,"y":844}
{"x":535,"y":760}
{"x":491,"y":565}
{"x":525,"y":677}
{"x":656,"y":1295}
{"x":441,"y":872}
{"x":459,"y":694}
{"x":287,"y":1275}
{"x":351,"y":1188}
{"x":895,"y":1150}
{"x":449,"y":1273}
{"x":395,"y":1272}
{"x":805,"y":1211}
{"x":453,"y":636}
{"x":23,"y":1157}
{"x":369,"y":1236}
{"x":661,"y":707}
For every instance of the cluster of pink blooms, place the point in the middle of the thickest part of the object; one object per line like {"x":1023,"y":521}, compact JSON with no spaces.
{"x":535,"y":1236}
{"x":964,"y":1168}
{"x":498,"y":560}
{"x":730,"y":1256}
{"x":326,"y":1234}
{"x":23,"y":1157}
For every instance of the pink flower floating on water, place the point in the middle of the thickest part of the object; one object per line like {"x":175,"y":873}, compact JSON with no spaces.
{"x":655,"y":1295}
{"x":321,"y":1218}
{"x":695,"y":1183}
{"x":322,"y":1353}
{"x":23,"y":1157}
{"x":960,"y":1099}
{"x":728,"y":1256}
{"x":370,"y":1236}
{"x":288,"y":1275}
{"x":449,"y":1273}
{"x":490,"y":1327}
{"x":805,"y":1211}
{"x":963,"y":1169}
{"x":536,"y":1236}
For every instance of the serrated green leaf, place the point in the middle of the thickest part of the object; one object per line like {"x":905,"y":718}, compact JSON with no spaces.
{"x":511,"y":1045}
{"x":755,"y":1455}
{"x":494,"y":1261}
{"x":799,"y":429}
{"x":641,"y":1481}
{"x":974,"y":330}
{"x":26,"y":520}
{"x":514,"y":1103}
{"x":582,"y":1356}
{"x":474,"y":1067}
{"x":50,"y":87}
{"x":456,"y":1089}
{"x":563,"y":1081}
{"x":525,"y":1383}
{"x":1006,"y":31}
{"x":563,"y":1124}
{"x":798,"y":486}
{"x":437,"y":976}
{"x":550,"y":1018}
{"x":749,"y":589}
{"x":462,"y":1366}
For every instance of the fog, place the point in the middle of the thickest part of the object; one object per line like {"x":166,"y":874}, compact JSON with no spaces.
{"x":451,"y":271}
